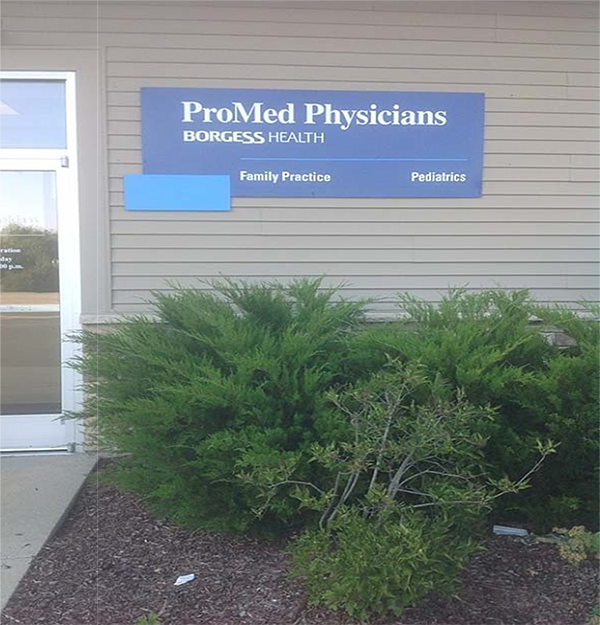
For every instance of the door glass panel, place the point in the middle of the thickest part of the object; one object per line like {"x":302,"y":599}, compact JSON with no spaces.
{"x":33,"y":114}
{"x":30,"y":351}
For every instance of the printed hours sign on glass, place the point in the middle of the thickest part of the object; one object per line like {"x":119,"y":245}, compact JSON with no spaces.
{"x":287,"y":143}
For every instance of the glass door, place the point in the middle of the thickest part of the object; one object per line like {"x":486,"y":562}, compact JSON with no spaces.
{"x":34,"y":316}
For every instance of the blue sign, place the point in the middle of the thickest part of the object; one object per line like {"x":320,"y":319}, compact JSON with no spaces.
{"x":176,"y":193}
{"x":276,"y":143}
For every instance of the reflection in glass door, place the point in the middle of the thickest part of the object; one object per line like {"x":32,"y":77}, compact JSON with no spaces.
{"x":40,"y":292}
{"x":30,"y":359}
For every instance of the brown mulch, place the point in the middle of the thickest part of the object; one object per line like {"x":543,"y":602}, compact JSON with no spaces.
{"x":111,"y":563}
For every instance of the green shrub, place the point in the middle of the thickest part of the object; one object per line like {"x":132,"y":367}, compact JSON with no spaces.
{"x":485,"y":345}
{"x":221,"y":382}
{"x":403,"y":500}
{"x":363,"y":567}
{"x":409,"y":444}
{"x":229,"y":385}
{"x":563,"y":405}
{"x":562,"y":401}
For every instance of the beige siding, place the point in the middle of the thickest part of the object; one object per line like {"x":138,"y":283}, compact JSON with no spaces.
{"x":535,"y":227}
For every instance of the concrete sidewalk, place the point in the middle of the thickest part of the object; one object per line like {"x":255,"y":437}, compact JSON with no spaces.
{"x":36,"y":493}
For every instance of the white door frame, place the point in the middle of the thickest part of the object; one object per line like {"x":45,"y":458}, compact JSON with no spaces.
{"x":41,"y":432}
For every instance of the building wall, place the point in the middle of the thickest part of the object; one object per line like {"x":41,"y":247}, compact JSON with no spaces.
{"x":537,"y":62}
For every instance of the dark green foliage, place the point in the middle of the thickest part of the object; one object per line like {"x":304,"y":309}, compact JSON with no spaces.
{"x":226,"y":385}
{"x":563,"y":399}
{"x":485,"y":345}
{"x":218,"y":384}
{"x":410,"y":446}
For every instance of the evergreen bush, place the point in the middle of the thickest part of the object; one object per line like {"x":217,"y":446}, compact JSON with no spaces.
{"x":238,"y":380}
{"x":221,"y":381}
{"x":485,"y":345}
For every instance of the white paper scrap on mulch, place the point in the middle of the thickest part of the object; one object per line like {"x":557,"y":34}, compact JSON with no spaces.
{"x":184,"y":579}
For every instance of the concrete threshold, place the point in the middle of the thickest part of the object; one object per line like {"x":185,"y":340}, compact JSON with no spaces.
{"x":35,"y":496}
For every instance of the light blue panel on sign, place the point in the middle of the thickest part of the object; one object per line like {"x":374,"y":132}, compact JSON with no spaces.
{"x":145,"y":192}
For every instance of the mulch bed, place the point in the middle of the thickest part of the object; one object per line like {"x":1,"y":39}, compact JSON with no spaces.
{"x":111,"y":563}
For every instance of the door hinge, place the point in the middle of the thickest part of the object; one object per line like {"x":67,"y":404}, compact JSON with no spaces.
{"x":64,"y":161}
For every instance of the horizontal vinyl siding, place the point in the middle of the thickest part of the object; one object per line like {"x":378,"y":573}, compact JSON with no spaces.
{"x":537,"y":62}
